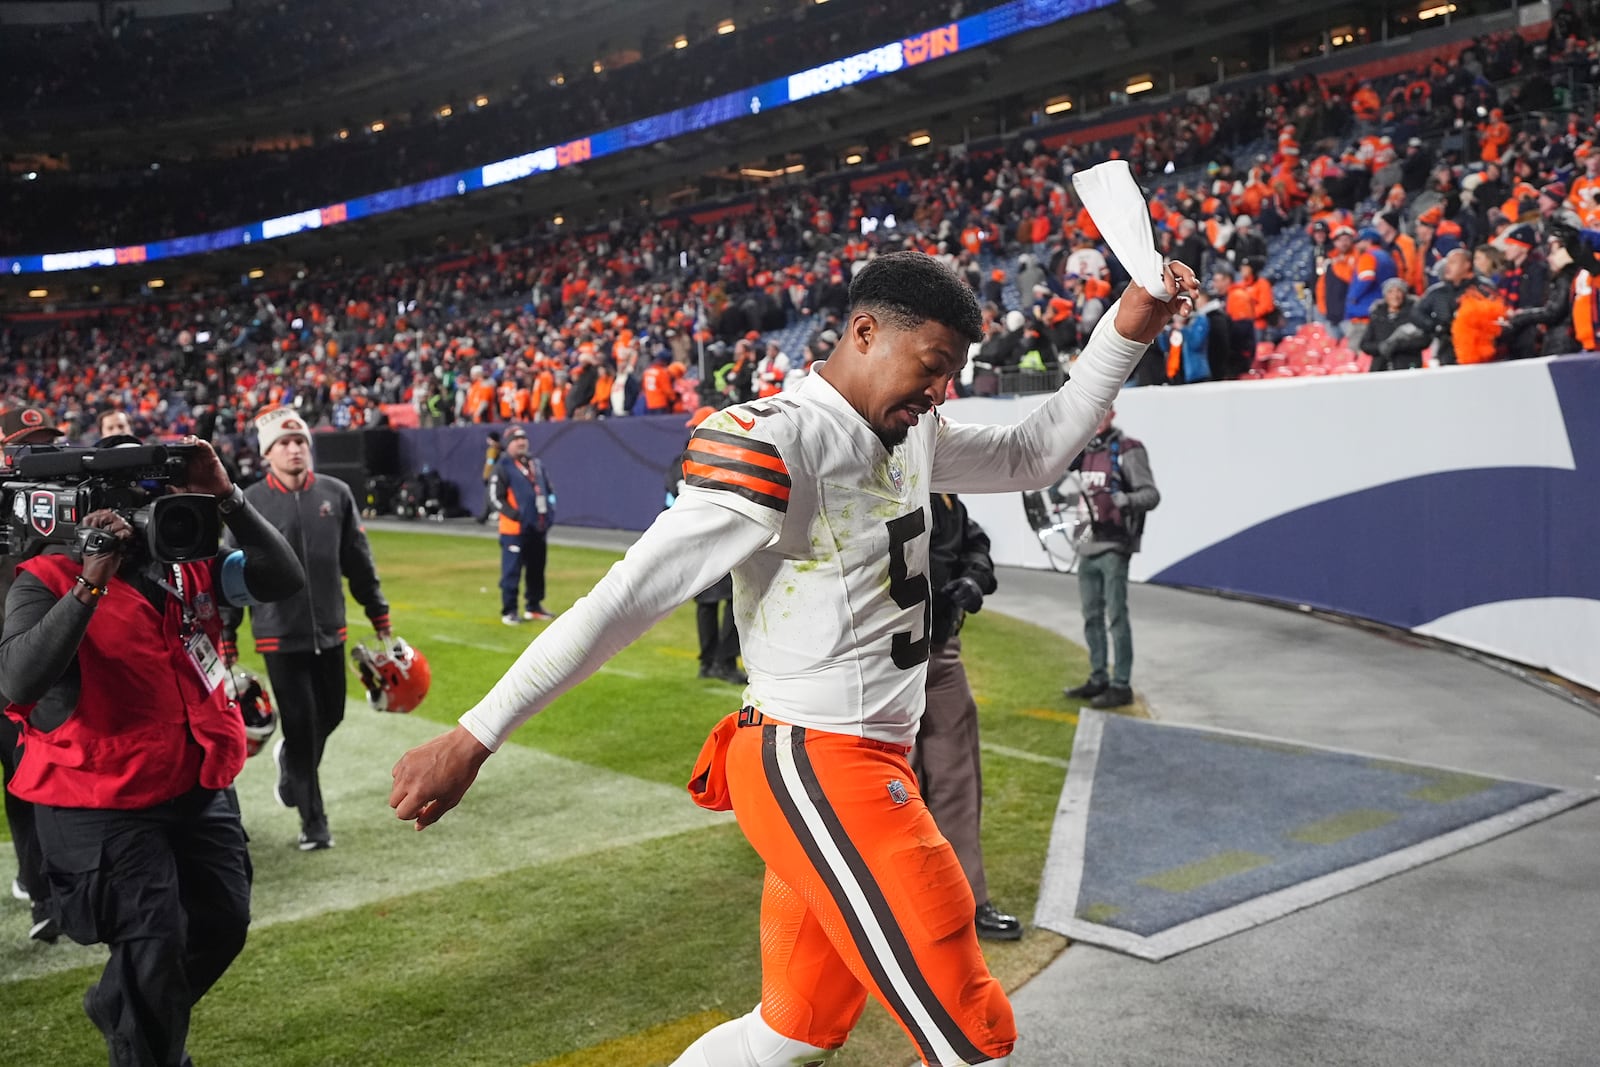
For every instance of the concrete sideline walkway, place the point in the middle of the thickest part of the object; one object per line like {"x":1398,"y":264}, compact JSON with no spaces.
{"x":1485,"y":957}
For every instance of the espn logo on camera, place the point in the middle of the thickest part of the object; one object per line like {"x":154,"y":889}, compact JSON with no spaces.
{"x":41,"y":511}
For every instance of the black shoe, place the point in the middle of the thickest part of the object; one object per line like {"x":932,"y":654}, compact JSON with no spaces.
{"x":706,"y":671}
{"x":314,"y":837}
{"x":730,"y":672}
{"x":1087,"y":691}
{"x":995,"y":925}
{"x":1115,"y":696}
{"x":44,"y":928}
{"x":283,"y":792}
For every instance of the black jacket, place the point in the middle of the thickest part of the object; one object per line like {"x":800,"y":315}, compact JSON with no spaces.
{"x":957,"y":548}
{"x":1433,"y":315}
{"x":1393,"y":338}
{"x":1555,"y":315}
{"x":322,"y":525}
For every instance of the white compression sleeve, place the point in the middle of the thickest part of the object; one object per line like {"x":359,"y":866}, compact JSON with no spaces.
{"x":686,"y":549}
{"x":1034,"y":452}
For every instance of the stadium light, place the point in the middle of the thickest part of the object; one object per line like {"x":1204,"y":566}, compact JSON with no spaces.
{"x":1435,"y":11}
{"x":919,"y":138}
{"x":1141,"y":85}
{"x":725,"y":27}
{"x":38,"y":294}
{"x":598,"y":66}
{"x":377,"y":127}
{"x":483,"y":101}
{"x":156,"y":283}
{"x":1057,"y":105}
{"x":31,"y":176}
{"x":559,"y":220}
{"x":682,"y":42}
{"x":344,"y":135}
{"x":852,"y":159}
{"x":794,"y":168}
{"x":258,"y":273}
{"x":446,"y":111}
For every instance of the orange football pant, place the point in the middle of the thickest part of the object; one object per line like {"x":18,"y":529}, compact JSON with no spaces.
{"x":863,"y":895}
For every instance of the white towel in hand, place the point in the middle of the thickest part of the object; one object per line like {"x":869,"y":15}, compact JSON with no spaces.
{"x":1123,"y":218}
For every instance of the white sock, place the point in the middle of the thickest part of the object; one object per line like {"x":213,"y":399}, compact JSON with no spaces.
{"x":749,"y":1042}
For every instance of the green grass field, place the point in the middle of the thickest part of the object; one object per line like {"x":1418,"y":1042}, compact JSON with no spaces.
{"x":577,"y":910}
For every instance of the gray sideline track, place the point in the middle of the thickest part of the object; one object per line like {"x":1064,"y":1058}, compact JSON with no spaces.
{"x":1487,"y":957}
{"x":1490,"y":956}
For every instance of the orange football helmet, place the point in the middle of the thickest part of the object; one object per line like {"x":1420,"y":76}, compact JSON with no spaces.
{"x":396,"y":677}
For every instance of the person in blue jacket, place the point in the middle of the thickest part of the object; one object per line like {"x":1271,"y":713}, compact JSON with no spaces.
{"x":1374,"y":266}
{"x":526,"y":501}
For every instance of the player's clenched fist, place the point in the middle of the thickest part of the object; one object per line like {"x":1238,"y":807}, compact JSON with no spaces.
{"x":433,"y":777}
{"x":1141,"y":317}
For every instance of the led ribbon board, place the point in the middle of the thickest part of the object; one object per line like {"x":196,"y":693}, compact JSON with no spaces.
{"x":975,"y":31}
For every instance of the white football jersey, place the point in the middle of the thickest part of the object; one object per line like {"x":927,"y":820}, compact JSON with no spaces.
{"x":833,"y":616}
{"x":826,"y":532}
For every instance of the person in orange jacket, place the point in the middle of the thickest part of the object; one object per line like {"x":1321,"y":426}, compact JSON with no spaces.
{"x":659,"y":386}
{"x":1494,"y":136}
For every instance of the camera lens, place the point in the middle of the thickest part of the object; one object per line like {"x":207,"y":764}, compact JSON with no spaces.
{"x":183,"y":528}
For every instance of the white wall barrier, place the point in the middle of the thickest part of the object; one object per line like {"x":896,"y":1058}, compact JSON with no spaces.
{"x":1460,"y":502}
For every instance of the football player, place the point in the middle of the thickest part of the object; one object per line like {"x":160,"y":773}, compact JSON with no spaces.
{"x":817,"y":501}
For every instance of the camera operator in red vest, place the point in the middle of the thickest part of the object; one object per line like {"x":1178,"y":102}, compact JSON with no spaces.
{"x":130,"y":746}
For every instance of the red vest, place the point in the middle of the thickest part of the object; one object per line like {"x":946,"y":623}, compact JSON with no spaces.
{"x":146,"y":729}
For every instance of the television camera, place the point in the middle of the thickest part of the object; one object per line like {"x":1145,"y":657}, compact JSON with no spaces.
{"x":48,"y":490}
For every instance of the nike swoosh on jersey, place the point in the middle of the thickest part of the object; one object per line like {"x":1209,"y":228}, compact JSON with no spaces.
{"x":751,"y":469}
{"x":743,"y":424}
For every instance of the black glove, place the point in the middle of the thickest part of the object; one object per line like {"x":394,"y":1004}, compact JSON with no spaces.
{"x":964,"y":594}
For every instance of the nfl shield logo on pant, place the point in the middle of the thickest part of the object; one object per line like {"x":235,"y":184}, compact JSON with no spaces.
{"x":897,"y":791}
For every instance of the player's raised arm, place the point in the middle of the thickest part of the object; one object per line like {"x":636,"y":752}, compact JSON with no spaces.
{"x":686,"y":549}
{"x":1034,"y":452}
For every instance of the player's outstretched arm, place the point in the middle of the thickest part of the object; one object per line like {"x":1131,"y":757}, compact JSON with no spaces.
{"x":685,"y":550}
{"x":1034,"y":452}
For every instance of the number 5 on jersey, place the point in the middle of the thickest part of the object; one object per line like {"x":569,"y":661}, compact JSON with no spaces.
{"x":909,"y":590}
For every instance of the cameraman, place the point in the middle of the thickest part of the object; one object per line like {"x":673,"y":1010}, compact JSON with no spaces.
{"x":130,"y":749}
{"x":23,"y":426}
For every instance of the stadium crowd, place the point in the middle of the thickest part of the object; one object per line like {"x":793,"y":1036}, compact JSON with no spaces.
{"x":105,"y":202}
{"x":615,"y":321}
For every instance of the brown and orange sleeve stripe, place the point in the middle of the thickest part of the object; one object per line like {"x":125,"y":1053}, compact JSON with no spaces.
{"x":752,"y":469}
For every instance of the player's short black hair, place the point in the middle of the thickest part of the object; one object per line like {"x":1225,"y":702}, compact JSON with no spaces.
{"x":909,"y":288}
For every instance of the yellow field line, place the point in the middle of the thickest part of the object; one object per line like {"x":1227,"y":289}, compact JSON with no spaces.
{"x":657,"y":1045}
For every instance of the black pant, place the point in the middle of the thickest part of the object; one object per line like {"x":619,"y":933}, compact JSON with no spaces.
{"x":719,"y":644}
{"x":522,"y":552}
{"x":167,"y":888}
{"x":20,"y":817}
{"x":308,"y":688}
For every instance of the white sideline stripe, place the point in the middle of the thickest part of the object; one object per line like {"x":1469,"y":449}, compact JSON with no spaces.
{"x":1063,"y":864}
{"x":484,"y":646}
{"x":1022,"y":754}
{"x":481,"y":646}
{"x":858,"y":901}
